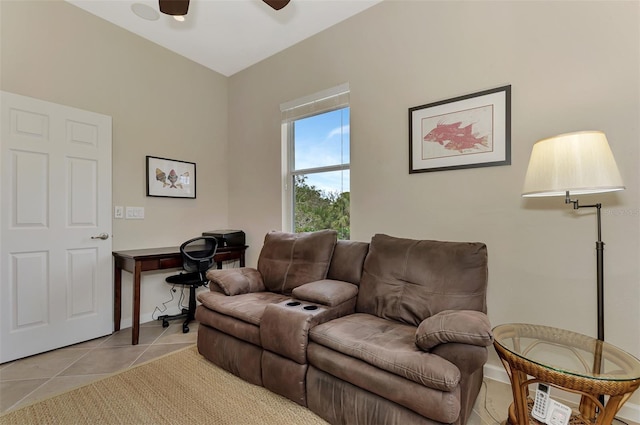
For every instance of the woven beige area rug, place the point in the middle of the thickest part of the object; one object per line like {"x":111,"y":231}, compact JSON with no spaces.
{"x":180,"y":388}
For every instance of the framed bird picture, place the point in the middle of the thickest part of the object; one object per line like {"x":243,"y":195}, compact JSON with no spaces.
{"x":170,"y":178}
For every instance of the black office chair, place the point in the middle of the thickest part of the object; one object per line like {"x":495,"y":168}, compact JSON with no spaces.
{"x":197,"y":258}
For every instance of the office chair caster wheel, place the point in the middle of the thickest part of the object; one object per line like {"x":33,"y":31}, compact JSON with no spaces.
{"x":165,"y":324}
{"x":185,"y":329}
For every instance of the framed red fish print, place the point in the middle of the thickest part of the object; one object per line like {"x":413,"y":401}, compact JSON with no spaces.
{"x":463,"y":132}
{"x":170,"y":178}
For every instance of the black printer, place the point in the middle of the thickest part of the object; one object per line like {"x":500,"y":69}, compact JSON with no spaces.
{"x":227,"y":237}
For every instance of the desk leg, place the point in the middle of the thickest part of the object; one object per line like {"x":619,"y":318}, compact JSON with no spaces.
{"x":117,"y":296}
{"x":135,"y":319}
{"x":242,"y":259}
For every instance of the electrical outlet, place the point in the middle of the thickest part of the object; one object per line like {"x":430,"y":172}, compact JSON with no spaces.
{"x":134,"y":213}
{"x":118,"y":212}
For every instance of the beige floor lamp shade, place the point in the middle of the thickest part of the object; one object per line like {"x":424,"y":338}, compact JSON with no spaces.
{"x":579,"y":163}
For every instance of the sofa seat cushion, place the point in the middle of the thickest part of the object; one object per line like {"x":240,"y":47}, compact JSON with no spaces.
{"x":388,"y":345}
{"x":439,"y":406}
{"x":246,"y":307}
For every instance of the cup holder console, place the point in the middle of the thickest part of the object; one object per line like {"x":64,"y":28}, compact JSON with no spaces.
{"x":298,"y":304}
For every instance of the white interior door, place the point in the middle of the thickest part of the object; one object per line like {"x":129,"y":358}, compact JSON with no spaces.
{"x":55,"y":183}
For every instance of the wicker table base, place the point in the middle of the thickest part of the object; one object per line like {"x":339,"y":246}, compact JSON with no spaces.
{"x":511,"y":419}
{"x":525,"y":352}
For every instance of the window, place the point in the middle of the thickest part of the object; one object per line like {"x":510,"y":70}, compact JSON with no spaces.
{"x":316,"y":141}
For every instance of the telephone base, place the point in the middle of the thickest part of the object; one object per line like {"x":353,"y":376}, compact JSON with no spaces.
{"x":512,"y":418}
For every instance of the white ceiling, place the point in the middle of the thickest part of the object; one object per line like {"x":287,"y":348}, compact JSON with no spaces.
{"x":228,"y":36}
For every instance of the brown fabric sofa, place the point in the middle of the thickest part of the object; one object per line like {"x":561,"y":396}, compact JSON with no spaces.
{"x":391,"y":332}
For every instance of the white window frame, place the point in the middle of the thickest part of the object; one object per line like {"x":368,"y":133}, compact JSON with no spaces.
{"x":315,"y":104}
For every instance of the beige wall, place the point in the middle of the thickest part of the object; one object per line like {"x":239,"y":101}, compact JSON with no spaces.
{"x":572,"y":66}
{"x":57,"y":52}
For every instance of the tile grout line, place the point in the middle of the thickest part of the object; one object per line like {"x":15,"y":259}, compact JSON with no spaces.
{"x":149,"y":346}
{"x":89,"y":350}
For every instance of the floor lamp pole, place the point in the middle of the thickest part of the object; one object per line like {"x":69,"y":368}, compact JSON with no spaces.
{"x":600,"y":272}
{"x":599,"y":262}
{"x":597,"y":359}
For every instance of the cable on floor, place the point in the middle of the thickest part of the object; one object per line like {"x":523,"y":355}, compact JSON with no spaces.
{"x":172,"y":290}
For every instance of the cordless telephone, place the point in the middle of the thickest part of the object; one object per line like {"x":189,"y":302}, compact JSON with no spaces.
{"x":547,"y":410}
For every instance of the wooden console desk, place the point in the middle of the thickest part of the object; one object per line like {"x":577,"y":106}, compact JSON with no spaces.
{"x":137,"y":261}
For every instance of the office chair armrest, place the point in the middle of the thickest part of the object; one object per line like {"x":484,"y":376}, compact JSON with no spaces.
{"x":242,"y":280}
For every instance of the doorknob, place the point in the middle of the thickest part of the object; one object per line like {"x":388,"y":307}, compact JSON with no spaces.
{"x":102,"y":236}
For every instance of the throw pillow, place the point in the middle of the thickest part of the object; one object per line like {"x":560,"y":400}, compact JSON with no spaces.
{"x":463,"y":326}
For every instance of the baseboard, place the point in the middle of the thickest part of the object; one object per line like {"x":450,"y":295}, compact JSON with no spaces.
{"x":144,"y":318}
{"x":629,"y":411}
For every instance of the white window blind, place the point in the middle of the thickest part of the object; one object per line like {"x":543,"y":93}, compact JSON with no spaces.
{"x":322,"y":101}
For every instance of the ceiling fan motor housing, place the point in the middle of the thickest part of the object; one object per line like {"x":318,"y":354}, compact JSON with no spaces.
{"x":174,"y":7}
{"x":277,"y":4}
{"x":181,"y":7}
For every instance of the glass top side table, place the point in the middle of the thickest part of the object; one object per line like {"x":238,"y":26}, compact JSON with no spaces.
{"x":567,"y":360}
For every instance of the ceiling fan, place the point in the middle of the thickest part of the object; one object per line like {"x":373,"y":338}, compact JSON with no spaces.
{"x":181,"y":7}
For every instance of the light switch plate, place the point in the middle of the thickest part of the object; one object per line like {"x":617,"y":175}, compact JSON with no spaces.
{"x":118,"y":212}
{"x":134,"y":213}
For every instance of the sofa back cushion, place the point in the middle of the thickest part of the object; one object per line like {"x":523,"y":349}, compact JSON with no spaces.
{"x":288,"y":260}
{"x":347,"y":261}
{"x":409,"y":280}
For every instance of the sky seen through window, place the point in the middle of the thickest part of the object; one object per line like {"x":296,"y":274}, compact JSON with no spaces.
{"x":321,"y":141}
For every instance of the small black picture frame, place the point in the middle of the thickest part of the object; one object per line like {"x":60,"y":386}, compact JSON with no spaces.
{"x":170,"y":178}
{"x":468,"y":131}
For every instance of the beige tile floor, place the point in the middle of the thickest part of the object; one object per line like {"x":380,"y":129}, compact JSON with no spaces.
{"x":34,"y":378}
{"x":27,"y":380}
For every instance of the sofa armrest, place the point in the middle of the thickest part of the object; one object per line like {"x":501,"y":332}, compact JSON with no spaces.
{"x":461,"y":326}
{"x":326,"y":292}
{"x":467,"y":358}
{"x":242,"y":280}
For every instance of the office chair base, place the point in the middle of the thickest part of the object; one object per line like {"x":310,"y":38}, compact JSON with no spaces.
{"x":185,"y":314}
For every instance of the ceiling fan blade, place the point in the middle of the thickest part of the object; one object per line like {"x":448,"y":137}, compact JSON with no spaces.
{"x":174,"y":7}
{"x":277,"y":4}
